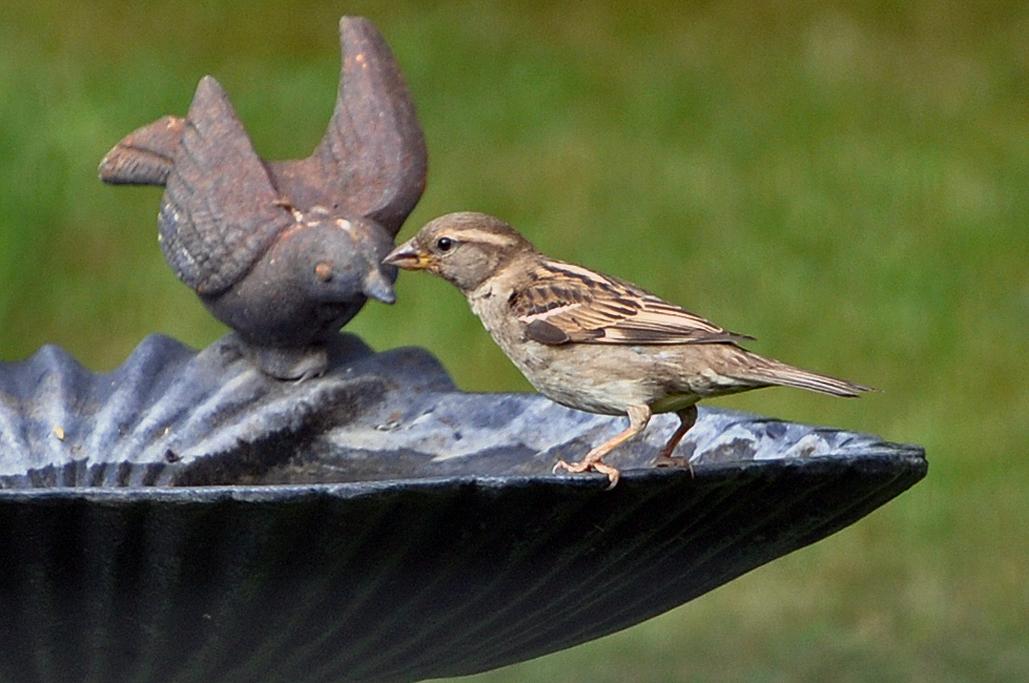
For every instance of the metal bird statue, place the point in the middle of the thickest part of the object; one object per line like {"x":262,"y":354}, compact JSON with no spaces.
{"x":286,"y":252}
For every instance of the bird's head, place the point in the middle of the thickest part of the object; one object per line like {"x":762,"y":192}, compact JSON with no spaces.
{"x":340,"y":260}
{"x":465,"y":248}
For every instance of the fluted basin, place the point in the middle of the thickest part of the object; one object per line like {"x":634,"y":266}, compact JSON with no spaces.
{"x":184,"y":518}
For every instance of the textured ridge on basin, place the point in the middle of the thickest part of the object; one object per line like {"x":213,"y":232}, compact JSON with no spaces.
{"x":171,"y":416}
{"x":429,"y":539}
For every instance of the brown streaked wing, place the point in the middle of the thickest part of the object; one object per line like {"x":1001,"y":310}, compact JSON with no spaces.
{"x":566,"y":303}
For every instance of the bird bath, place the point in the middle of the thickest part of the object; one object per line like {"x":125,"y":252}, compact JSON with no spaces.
{"x":187,"y":518}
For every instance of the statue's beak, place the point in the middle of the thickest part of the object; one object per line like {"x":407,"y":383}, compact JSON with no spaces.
{"x":408,"y":257}
{"x":378,"y":286}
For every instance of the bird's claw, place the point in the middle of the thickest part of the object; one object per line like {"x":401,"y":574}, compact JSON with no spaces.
{"x":585,"y":466}
{"x":669,"y":461}
{"x":574,"y":467}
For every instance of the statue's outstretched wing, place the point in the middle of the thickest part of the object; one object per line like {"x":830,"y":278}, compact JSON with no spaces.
{"x":374,"y":150}
{"x":220,"y":212}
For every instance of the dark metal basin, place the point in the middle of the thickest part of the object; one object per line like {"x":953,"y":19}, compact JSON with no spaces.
{"x":417,"y":532}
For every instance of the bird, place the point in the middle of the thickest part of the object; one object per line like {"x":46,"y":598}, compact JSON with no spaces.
{"x":286,"y":252}
{"x":591,"y":341}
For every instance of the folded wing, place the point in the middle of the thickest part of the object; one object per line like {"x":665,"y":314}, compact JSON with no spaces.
{"x":566,"y":303}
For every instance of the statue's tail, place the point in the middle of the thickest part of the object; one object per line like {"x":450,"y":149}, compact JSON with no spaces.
{"x":144,"y":156}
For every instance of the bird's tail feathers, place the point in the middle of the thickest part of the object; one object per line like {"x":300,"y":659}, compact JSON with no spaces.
{"x":145,"y":156}
{"x":781,"y":374}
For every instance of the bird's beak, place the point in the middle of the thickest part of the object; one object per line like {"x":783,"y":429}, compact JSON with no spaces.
{"x":408,"y":257}
{"x":377,"y":286}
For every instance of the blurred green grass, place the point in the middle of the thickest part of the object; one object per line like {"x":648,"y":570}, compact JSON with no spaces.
{"x":847,"y":182}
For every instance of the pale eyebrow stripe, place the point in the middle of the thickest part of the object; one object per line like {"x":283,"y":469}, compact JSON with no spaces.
{"x":476,"y":235}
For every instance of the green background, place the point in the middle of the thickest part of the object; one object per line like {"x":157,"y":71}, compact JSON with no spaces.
{"x":847,"y":182}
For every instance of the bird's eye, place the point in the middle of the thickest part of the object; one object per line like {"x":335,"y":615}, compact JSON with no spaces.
{"x":323,"y":271}
{"x":444,"y":244}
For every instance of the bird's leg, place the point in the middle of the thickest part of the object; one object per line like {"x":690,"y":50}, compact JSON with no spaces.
{"x":639,"y":416}
{"x":687,"y":418}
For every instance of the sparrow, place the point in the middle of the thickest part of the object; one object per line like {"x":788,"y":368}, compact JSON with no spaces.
{"x":285,"y":252}
{"x":591,"y":341}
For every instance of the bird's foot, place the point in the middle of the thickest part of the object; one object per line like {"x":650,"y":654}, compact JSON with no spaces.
{"x":585,"y":466}
{"x":663,"y":460}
